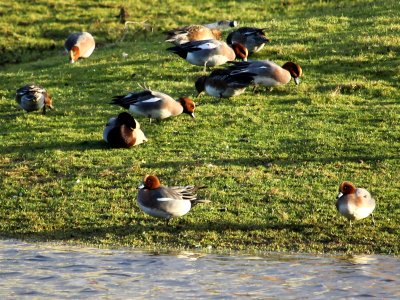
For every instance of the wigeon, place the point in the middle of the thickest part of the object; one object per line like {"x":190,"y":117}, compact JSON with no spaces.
{"x":209,"y":53}
{"x":222,"y":24}
{"x":252,"y":38}
{"x":166,"y":202}
{"x":79,"y":44}
{"x":155,"y":105}
{"x":268,"y":73}
{"x":192,"y":33}
{"x":33,"y":97}
{"x":123,"y":131}
{"x":221,"y":83}
{"x":354,"y":203}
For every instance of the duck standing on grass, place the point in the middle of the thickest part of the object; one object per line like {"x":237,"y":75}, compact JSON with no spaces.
{"x":79,"y":44}
{"x":252,"y":38}
{"x":268,"y":73}
{"x":33,"y":97}
{"x":166,"y":202}
{"x":354,"y":203}
{"x":209,"y":53}
{"x":155,"y":105}
{"x":222,"y":84}
{"x":123,"y":131}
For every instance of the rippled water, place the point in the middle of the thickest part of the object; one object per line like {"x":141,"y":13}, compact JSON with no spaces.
{"x":49,"y":271}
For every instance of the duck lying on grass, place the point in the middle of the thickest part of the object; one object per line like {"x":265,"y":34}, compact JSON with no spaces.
{"x":354,"y":203}
{"x":123,"y":131}
{"x":166,"y":202}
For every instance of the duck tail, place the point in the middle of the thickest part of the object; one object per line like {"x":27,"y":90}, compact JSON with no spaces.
{"x":178,"y":50}
{"x":120,"y":100}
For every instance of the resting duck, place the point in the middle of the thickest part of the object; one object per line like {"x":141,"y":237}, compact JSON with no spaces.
{"x":79,"y":44}
{"x":166,"y":202}
{"x":221,"y":83}
{"x":209,"y":53}
{"x":155,"y":105}
{"x":222,"y":24}
{"x":354,"y":203}
{"x":268,"y":73}
{"x":33,"y":97}
{"x":192,"y":33}
{"x":123,"y":131}
{"x":252,"y":38}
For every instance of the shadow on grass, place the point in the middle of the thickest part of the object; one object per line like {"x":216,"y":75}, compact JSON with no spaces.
{"x":268,"y":162}
{"x":65,"y":146}
{"x":151,"y":226}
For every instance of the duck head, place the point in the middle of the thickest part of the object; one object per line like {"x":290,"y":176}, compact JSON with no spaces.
{"x":240,"y":51}
{"x":74,"y":54}
{"x":188,"y":106}
{"x":200,"y":84}
{"x":126,"y":119}
{"x":294,"y":70}
{"x":347,"y":187}
{"x":150,"y":182}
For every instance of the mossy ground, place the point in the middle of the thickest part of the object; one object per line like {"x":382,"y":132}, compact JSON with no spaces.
{"x":272,"y":160}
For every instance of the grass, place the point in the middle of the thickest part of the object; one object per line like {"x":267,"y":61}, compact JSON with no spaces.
{"x":272,"y":161}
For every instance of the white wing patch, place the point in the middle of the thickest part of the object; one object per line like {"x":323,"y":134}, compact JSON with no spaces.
{"x":208,"y":46}
{"x":165,"y":199}
{"x":151,"y":100}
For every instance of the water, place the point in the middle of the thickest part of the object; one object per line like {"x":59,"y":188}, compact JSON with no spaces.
{"x":48,"y":271}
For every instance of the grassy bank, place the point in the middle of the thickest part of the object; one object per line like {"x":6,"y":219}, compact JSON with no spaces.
{"x":272,"y":161}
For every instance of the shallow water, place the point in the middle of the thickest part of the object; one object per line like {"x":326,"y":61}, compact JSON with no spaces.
{"x":40,"y":271}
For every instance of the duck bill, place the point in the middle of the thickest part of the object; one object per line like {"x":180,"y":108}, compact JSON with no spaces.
{"x":192,"y":115}
{"x":297,"y":80}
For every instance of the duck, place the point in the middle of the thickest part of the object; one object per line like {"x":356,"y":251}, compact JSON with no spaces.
{"x":34,"y":97}
{"x":268,"y":73}
{"x":222,"y":24}
{"x":209,"y":53}
{"x":222,"y":84}
{"x":252,"y":38}
{"x":155,"y":105}
{"x":354,"y":203}
{"x":79,"y":44}
{"x":166,"y":202}
{"x":123,"y":131}
{"x":192,"y":33}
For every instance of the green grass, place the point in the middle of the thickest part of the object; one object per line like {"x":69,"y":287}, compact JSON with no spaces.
{"x":272,"y":161}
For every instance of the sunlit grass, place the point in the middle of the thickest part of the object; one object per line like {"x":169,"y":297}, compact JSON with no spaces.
{"x":272,"y":160}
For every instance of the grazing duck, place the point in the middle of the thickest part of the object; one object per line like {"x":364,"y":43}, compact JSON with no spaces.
{"x":221,"y":83}
{"x":192,"y":33}
{"x":33,"y":97}
{"x":209,"y":52}
{"x":123,"y":131}
{"x":268,"y":73}
{"x":252,"y":38}
{"x":79,"y":44}
{"x":155,"y":105}
{"x":166,"y":202}
{"x":354,"y":203}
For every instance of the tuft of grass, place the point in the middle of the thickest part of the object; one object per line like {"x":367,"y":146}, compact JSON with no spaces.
{"x":272,"y":160}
